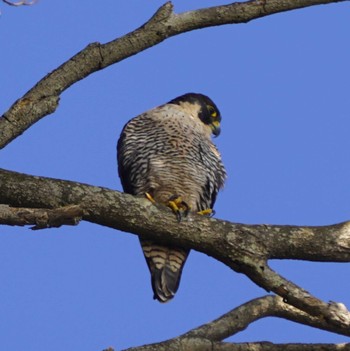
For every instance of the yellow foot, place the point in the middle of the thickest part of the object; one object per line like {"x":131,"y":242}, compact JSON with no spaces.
{"x":150,"y":198}
{"x":207,"y":212}
{"x":179,"y":207}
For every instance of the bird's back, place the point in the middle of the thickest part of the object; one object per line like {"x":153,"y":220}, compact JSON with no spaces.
{"x":165,"y":152}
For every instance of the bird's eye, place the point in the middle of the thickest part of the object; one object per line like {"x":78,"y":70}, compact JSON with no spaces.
{"x":212,"y":111}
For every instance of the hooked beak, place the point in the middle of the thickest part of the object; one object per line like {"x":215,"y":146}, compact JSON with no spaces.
{"x":215,"y":128}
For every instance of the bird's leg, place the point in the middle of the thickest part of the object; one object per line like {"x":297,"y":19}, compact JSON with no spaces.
{"x":207,"y":212}
{"x":179,"y":207}
{"x":150,"y":198}
{"x":175,"y":202}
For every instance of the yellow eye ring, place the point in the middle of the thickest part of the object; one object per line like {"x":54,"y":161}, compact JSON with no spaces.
{"x":212,"y":111}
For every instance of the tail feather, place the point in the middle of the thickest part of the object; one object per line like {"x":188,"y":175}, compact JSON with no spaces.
{"x":165,"y":265}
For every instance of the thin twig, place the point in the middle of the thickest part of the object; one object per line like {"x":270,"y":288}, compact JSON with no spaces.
{"x":20,"y":3}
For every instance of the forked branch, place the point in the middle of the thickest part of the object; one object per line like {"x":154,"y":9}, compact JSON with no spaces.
{"x":210,"y":336}
{"x":244,"y":248}
{"x":45,"y":202}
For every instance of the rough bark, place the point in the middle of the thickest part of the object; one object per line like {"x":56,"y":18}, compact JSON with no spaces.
{"x":209,"y":336}
{"x":40,"y":218}
{"x":244,"y":248}
{"x":44,"y":203}
{"x":205,"y":345}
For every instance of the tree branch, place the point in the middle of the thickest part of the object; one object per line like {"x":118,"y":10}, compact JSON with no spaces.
{"x":244,"y":248}
{"x":241,"y":317}
{"x":43,"y":98}
{"x":45,"y":202}
{"x":205,"y":345}
{"x":40,"y":218}
{"x":209,"y":336}
{"x":20,"y":3}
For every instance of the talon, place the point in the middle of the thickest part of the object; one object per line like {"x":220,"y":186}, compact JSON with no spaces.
{"x":176,"y":210}
{"x":179,"y":207}
{"x":207,"y":212}
{"x":150,"y":198}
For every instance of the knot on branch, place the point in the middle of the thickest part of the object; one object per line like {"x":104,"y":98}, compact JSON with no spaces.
{"x":339,"y":312}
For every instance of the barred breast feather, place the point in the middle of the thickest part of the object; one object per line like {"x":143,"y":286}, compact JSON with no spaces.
{"x":164,"y":152}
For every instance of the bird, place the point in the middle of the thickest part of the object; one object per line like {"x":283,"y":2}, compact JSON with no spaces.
{"x":167,"y":155}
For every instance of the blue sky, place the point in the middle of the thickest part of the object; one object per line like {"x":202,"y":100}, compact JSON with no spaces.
{"x":282,"y":85}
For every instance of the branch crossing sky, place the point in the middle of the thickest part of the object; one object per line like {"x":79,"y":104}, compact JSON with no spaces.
{"x":282,"y":85}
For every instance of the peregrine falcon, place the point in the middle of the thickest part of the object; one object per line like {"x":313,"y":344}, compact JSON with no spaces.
{"x":167,"y":155}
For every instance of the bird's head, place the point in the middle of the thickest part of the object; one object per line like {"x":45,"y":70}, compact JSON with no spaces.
{"x":206,"y":109}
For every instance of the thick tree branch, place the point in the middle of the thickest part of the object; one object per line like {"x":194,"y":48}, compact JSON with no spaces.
{"x":244,"y":248}
{"x":45,"y":203}
{"x":137,"y":215}
{"x":43,"y":98}
{"x":205,"y":345}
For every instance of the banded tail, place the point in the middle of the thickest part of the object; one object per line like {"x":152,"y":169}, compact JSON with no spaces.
{"x":165,"y":264}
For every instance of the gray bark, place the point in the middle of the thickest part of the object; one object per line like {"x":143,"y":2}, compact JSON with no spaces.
{"x":45,"y":203}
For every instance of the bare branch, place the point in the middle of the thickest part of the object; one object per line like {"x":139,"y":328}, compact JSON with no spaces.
{"x":244,"y":248}
{"x":268,"y":346}
{"x":43,"y":98}
{"x":241,"y":317}
{"x":20,"y":3}
{"x":209,"y":336}
{"x":41,"y":218}
{"x":193,"y":344}
{"x":265,"y":277}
